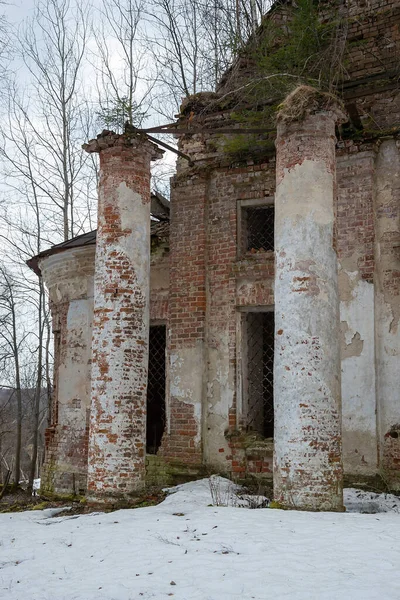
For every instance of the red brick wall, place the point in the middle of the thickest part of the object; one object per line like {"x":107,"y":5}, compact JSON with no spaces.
{"x":373,"y":36}
{"x":208,"y":280}
{"x":187,"y":306}
{"x":234,"y":279}
{"x":355,"y":209}
{"x":187,"y":295}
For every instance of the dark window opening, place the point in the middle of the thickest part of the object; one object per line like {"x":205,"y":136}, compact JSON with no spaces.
{"x":156,"y":389}
{"x":258,"y":228}
{"x":260,"y":372}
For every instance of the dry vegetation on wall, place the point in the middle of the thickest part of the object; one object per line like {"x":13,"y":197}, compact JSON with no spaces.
{"x":298,"y":44}
{"x":305,"y":99}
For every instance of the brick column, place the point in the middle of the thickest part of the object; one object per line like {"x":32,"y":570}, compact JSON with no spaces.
{"x":307,"y":462}
{"x":117,"y":436}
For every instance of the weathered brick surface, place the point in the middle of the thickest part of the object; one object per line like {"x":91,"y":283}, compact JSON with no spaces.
{"x":69,"y":278}
{"x":387,"y":307}
{"x":307,"y":435}
{"x":212,"y":282}
{"x":355,"y":210}
{"x":209,"y":279}
{"x":356,"y":254}
{"x":117,"y":437}
{"x":372,"y":37}
{"x":187,"y":304}
{"x":249,"y":458}
{"x":234,"y":278}
{"x":378,"y":106}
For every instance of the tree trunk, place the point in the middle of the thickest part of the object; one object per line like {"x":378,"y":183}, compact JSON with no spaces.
{"x":38,"y":389}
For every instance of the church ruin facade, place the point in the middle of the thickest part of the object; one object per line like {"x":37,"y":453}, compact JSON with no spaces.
{"x":251,"y":326}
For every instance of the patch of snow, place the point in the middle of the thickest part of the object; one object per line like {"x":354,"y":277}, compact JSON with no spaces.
{"x":252,"y":501}
{"x":187,"y":549}
{"x":359,"y":501}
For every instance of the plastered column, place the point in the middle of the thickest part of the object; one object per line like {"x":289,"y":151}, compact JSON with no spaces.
{"x":68,"y":276}
{"x":387,"y":308}
{"x":117,"y":436}
{"x":307,"y":461}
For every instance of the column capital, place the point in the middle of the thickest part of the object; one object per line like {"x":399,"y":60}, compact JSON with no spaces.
{"x":305,"y":101}
{"x":109,"y":139}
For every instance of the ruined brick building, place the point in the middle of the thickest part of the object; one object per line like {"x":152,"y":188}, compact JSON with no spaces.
{"x":256,"y":321}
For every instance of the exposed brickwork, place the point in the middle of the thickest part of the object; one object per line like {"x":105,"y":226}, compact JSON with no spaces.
{"x":70,"y":282}
{"x":117,"y":438}
{"x":187,"y":304}
{"x":391,"y":455}
{"x":206,"y":284}
{"x":66,"y":440}
{"x":255,"y":280}
{"x":355,"y":209}
{"x":180,"y":443}
{"x":233,"y":279}
{"x":249,"y":458}
{"x":187,"y":295}
{"x":373,"y":37}
{"x":307,"y":435}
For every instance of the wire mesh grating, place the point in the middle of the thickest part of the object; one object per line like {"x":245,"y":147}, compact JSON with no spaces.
{"x":260,"y":372}
{"x":156,"y":388}
{"x":258,"y":225}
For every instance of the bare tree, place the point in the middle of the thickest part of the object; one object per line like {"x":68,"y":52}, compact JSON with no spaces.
{"x":53,"y":45}
{"x":27,"y":225}
{"x":7,"y":429}
{"x":193,"y":42}
{"x":176,"y":45}
{"x":11,"y":340}
{"x":52,"y":183}
{"x":39,"y":373}
{"x":5,"y":47}
{"x":121,"y":62}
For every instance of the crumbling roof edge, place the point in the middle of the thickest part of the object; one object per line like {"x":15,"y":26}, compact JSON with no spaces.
{"x":85,"y":239}
{"x":158,"y":229}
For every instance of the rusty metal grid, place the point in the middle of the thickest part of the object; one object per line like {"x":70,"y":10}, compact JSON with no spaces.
{"x":156,"y":388}
{"x":260,"y":372}
{"x":259,"y":228}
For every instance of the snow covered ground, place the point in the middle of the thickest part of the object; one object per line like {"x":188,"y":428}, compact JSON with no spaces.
{"x":185,"y":549}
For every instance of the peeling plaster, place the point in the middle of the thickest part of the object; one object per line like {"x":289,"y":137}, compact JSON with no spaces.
{"x":220,"y":394}
{"x":387,"y":305}
{"x":186,"y":368}
{"x":69,"y":278}
{"x":357,"y":350}
{"x":351,"y":344}
{"x":317,"y":182}
{"x":135,"y":244}
{"x":307,"y":453}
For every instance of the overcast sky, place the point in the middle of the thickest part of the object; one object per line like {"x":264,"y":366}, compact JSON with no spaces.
{"x":18,"y":10}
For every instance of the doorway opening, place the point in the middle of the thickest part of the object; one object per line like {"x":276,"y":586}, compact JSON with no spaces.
{"x":258,"y":380}
{"x":156,"y":389}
